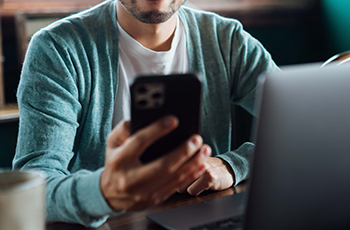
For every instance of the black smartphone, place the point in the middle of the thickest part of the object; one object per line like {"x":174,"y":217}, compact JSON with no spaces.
{"x":154,"y":97}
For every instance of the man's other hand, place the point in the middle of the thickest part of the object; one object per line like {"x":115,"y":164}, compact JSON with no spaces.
{"x":219,"y":176}
{"x":129,"y":185}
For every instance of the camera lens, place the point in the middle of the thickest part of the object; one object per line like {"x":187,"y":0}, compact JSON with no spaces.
{"x":156,"y":95}
{"x":142,"y":103}
{"x":142,"y":89}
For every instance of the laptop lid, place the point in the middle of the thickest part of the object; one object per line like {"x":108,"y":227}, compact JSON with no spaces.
{"x":301,"y":171}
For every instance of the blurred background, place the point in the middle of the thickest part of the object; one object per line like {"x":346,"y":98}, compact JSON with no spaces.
{"x":293,"y":31}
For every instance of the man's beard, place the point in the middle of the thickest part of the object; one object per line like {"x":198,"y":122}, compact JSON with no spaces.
{"x":150,"y":17}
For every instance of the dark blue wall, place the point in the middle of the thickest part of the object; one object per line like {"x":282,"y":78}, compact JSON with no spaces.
{"x":8,"y":138}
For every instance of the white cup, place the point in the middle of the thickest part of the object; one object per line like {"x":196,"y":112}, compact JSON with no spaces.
{"x":22,"y":201}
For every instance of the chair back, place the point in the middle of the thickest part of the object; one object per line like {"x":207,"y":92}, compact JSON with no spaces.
{"x":339,"y":59}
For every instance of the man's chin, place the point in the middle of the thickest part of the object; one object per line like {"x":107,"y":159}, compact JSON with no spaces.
{"x":154,"y":17}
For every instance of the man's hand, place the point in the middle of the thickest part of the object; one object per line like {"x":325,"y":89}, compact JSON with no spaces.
{"x":129,"y":185}
{"x":219,"y":176}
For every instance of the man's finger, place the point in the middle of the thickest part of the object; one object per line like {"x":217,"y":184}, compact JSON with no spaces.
{"x":155,"y":175}
{"x":142,"y":139}
{"x":176,"y":158}
{"x":184,"y":187}
{"x":166,"y":177}
{"x":170,"y":162}
{"x":191,"y":170}
{"x":199,"y":186}
{"x":165,"y":191}
{"x":119,"y":134}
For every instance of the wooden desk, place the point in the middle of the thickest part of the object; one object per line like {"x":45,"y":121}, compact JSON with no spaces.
{"x":138,"y":221}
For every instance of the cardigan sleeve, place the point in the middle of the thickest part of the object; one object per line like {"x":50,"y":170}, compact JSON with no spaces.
{"x":249,"y":60}
{"x":50,"y":109}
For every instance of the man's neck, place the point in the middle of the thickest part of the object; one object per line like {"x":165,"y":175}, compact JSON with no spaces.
{"x":157,"y":37}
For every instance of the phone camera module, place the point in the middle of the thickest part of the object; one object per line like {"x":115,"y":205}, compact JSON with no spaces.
{"x":149,"y":95}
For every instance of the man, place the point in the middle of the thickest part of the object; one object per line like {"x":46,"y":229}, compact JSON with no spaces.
{"x":73,"y":90}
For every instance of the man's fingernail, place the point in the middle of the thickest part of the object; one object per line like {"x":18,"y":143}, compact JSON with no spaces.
{"x":194,"y":142}
{"x":168,"y":122}
{"x":207,"y":152}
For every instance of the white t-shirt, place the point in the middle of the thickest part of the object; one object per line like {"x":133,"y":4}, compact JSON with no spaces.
{"x":135,"y":59}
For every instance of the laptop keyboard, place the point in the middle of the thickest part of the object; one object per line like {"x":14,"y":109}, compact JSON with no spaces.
{"x":226,"y":224}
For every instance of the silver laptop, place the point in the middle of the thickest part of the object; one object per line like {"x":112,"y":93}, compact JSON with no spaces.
{"x":300,"y":175}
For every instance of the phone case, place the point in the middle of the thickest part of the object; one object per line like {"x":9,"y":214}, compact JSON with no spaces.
{"x":153,"y":97}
